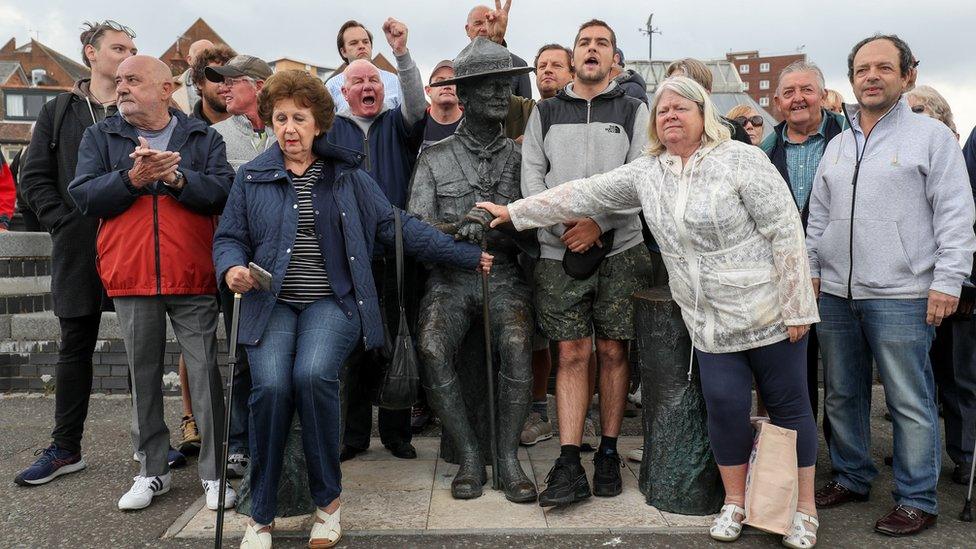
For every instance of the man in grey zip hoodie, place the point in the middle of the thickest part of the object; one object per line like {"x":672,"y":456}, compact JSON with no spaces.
{"x":890,"y":240}
{"x":590,"y":127}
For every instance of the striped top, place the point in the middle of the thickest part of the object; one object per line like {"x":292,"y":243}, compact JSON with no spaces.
{"x":306,"y":280}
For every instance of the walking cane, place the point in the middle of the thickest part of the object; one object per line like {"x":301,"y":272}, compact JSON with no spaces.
{"x":496,"y":482}
{"x":967,"y":510}
{"x":232,"y":365}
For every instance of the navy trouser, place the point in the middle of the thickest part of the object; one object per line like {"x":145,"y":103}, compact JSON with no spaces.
{"x":780,"y":371}
{"x":296,"y":366}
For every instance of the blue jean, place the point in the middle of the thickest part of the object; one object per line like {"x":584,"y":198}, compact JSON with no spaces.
{"x":296,"y":365}
{"x":894,"y":334}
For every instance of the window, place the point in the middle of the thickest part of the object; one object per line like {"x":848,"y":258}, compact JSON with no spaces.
{"x":764,"y":101}
{"x":764,"y":67}
{"x":764,"y":84}
{"x":746,"y":86}
{"x":24,"y":105}
{"x":743,"y":69}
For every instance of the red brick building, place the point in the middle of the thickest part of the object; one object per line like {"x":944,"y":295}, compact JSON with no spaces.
{"x":30,"y":75}
{"x":175,"y":55}
{"x":760,"y":74}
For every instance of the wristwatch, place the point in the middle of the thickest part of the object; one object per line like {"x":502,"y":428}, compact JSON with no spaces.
{"x":178,"y":182}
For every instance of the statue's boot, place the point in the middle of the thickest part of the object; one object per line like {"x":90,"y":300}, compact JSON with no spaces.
{"x":514,"y":400}
{"x":447,"y":402}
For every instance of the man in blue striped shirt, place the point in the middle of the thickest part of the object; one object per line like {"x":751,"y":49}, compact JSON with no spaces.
{"x":795,"y":148}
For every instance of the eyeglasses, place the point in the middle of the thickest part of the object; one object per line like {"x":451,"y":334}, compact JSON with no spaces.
{"x":233,"y":81}
{"x":756,"y":120}
{"x":918,"y":109}
{"x":108,"y":24}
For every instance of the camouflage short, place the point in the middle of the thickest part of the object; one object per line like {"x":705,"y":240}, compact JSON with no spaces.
{"x":568,"y":309}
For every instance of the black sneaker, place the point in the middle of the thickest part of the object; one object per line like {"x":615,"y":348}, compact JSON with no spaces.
{"x":565,"y":484}
{"x":606,"y":474}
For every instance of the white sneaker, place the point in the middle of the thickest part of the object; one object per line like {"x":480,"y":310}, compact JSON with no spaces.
{"x":637,"y":454}
{"x":142,"y":492}
{"x":728,"y":525}
{"x":237,"y":465}
{"x":635,"y":397}
{"x":212,"y":489}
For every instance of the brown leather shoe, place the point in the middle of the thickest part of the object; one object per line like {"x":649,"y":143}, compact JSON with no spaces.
{"x":904,"y":521}
{"x":833,"y":494}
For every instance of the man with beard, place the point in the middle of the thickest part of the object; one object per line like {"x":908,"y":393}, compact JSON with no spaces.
{"x":187,"y":95}
{"x":212,"y":108}
{"x":590,"y":127}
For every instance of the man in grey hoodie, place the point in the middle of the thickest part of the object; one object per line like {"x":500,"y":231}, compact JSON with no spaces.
{"x":590,"y":127}
{"x":890,"y":239}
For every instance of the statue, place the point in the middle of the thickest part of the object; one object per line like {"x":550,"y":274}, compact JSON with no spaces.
{"x":477,"y":163}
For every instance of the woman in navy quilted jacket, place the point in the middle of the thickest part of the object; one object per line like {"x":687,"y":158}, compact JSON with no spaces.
{"x":311,"y":220}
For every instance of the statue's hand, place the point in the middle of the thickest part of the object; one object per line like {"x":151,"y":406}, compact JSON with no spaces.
{"x":447,"y":227}
{"x":471,"y":231}
{"x":474,"y":225}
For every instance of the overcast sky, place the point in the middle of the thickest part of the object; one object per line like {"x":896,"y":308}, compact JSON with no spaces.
{"x":939,"y":31}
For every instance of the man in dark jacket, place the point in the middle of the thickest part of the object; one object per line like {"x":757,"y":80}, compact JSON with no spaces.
{"x":75,"y":286}
{"x":632,"y":83}
{"x":155,"y":179}
{"x":384,"y":136}
{"x":795,"y":148}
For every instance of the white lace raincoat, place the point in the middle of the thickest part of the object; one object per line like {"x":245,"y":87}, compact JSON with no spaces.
{"x":729,"y":232}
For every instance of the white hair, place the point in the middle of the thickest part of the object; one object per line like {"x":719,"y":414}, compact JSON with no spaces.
{"x":715,"y":131}
{"x":802,"y":66}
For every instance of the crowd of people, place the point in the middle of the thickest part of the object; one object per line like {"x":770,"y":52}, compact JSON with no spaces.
{"x":842,"y":237}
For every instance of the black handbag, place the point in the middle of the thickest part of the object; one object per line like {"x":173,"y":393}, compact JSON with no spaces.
{"x":582,"y":265}
{"x":401,"y":382}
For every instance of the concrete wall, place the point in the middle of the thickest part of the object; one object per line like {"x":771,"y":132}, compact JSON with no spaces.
{"x":29,"y":331}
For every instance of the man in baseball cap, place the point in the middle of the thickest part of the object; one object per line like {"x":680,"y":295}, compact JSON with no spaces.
{"x":241,"y":65}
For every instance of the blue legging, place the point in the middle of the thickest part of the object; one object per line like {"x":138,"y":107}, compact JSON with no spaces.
{"x":780,"y":371}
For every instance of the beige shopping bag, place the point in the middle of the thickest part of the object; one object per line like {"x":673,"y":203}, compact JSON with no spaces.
{"x":771,"y":483}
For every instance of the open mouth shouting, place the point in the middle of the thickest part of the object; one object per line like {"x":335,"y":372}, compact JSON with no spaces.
{"x":369,"y":99}
{"x":591,"y":62}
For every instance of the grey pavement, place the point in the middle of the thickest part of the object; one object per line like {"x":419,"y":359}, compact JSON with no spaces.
{"x":79,"y":510}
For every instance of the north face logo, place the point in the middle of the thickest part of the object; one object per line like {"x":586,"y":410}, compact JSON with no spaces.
{"x":613,"y":129}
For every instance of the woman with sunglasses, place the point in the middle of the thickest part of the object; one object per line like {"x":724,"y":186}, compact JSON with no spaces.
{"x":749,"y":119}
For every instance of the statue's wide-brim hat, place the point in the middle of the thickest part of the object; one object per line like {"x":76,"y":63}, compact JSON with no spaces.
{"x":482,"y":58}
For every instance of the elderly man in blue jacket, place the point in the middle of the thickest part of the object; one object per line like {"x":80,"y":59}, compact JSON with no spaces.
{"x":383,"y":135}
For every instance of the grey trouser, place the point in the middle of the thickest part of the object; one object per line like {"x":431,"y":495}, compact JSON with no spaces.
{"x":142,"y":321}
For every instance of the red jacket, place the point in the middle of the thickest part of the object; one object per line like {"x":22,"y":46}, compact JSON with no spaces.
{"x":157,"y":247}
{"x":155,"y":240}
{"x":8,"y":194}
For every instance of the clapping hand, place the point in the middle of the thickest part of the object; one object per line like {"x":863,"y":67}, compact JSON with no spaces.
{"x":152,"y":165}
{"x":497,"y":21}
{"x":396,"y":35}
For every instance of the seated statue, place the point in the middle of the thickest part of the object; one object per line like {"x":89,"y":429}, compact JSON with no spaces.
{"x":478,"y":163}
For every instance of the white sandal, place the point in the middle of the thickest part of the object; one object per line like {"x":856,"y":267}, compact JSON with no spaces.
{"x":728,"y":525}
{"x":801,"y":537}
{"x":326,"y":533}
{"x":255,"y":539}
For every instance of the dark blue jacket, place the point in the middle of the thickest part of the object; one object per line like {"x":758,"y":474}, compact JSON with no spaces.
{"x":969,"y":153}
{"x":387,"y":149}
{"x":261,"y":219}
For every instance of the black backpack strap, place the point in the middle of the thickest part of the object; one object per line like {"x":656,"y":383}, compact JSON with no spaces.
{"x":61,"y":104}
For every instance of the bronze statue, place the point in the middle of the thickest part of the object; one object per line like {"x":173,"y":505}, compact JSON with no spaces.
{"x":478,"y":163}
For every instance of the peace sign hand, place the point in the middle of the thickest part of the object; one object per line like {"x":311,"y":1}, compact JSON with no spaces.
{"x":497,"y":20}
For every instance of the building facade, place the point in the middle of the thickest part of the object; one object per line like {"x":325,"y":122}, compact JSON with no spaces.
{"x":760,"y":74}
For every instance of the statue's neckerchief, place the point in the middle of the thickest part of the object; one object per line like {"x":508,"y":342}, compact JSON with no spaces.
{"x":486,"y":183}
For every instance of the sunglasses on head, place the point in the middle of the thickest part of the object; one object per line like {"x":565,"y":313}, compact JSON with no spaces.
{"x":755,"y":120}
{"x":109,"y":24}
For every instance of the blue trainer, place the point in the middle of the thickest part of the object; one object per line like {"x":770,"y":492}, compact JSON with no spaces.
{"x":53,"y":463}
{"x":175,"y":458}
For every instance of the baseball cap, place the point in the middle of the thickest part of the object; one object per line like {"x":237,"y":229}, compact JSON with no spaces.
{"x":445,"y":63}
{"x":241,"y":65}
